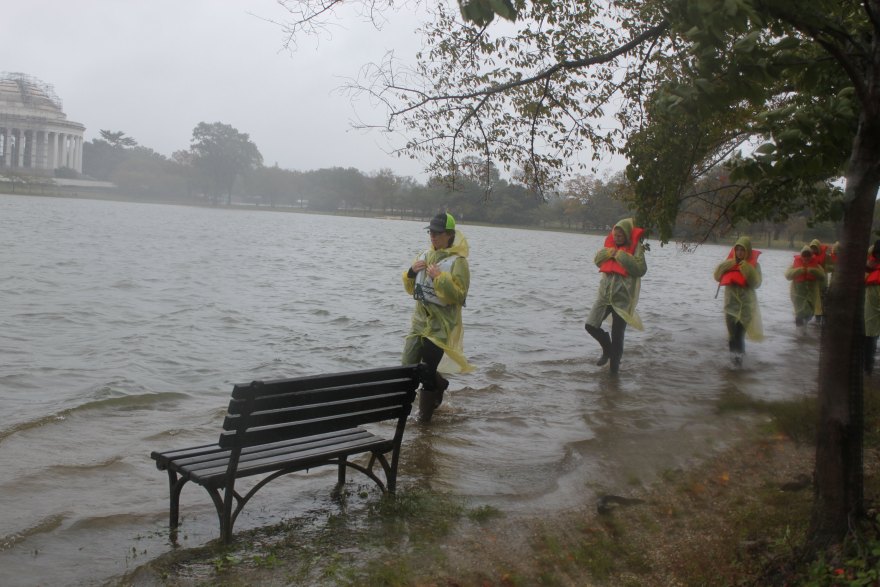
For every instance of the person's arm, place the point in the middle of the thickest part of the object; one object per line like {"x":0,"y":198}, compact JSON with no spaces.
{"x":752,"y":274}
{"x":452,"y":286}
{"x":603,"y":255}
{"x":409,"y":276}
{"x":818,"y":272}
{"x":723,"y":268}
{"x":635,"y":264}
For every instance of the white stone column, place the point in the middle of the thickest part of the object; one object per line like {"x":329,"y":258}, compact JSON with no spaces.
{"x":51,"y":142}
{"x":19,"y":145}
{"x":79,"y":154}
{"x":7,"y":147}
{"x":62,"y":149}
{"x":41,"y":148}
{"x":27,"y":160}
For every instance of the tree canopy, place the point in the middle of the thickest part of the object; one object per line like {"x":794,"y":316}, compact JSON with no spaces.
{"x":222,"y":153}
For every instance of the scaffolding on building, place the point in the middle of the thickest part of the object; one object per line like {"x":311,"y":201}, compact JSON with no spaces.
{"x":31,"y":89}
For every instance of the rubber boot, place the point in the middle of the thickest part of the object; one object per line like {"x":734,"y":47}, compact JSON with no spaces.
{"x":441,"y":386}
{"x":427,"y":403}
{"x":604,"y":340}
{"x":615,"y":362}
{"x":427,"y":393}
{"x":616,"y":353}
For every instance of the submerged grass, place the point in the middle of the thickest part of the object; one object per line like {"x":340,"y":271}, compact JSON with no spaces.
{"x":738,"y":519}
{"x":384,"y":543}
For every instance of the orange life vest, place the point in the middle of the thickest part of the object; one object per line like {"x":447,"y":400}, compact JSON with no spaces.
{"x":734,"y":276}
{"x":612,"y":265}
{"x":872,"y":277}
{"x":820,"y":256}
{"x":805,"y":276}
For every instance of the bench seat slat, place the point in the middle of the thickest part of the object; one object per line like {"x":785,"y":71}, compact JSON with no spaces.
{"x":219,"y":454}
{"x":302,"y":460}
{"x":163,"y":458}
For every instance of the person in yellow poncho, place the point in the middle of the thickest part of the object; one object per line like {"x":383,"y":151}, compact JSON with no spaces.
{"x":740,"y":274}
{"x":823,"y":254}
{"x":622,"y":264}
{"x":438,"y":279}
{"x":872,"y":305}
{"x":807,"y":280}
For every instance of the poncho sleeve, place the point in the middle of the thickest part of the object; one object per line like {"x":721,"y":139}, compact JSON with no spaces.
{"x":752,"y":274}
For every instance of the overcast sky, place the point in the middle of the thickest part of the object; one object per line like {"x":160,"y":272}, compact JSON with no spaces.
{"x":154,"y":69}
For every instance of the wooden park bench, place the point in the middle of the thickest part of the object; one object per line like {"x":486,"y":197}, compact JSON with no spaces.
{"x":273,"y":428}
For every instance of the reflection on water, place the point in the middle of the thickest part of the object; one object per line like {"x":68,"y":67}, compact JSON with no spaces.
{"x":123,"y":327}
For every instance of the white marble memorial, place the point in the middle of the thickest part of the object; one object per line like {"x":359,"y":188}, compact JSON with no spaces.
{"x":35,"y":135}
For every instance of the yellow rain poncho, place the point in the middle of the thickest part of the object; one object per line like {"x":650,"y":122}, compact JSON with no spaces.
{"x":442,"y":324}
{"x":620,"y":292}
{"x":741,"y":303}
{"x":807,"y":281}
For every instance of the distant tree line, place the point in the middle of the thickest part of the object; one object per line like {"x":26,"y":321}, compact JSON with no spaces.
{"x":222,"y":165}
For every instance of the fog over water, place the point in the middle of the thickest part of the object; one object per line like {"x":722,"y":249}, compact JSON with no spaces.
{"x":123,"y":327}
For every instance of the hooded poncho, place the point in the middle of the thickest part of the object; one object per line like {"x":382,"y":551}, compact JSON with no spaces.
{"x":807,"y":280}
{"x":620,"y":292}
{"x":442,"y":324}
{"x":741,"y":303}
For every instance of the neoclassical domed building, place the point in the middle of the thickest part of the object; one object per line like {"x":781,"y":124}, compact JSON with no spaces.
{"x":35,"y":135}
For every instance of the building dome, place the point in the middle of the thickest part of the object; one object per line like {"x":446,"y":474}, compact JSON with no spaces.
{"x":35,"y":135}
{"x":23,"y":94}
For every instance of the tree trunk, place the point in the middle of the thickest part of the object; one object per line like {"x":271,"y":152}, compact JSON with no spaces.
{"x":839,"y":495}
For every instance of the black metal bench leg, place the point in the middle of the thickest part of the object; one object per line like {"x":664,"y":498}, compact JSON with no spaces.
{"x":224,"y":509}
{"x":340,"y":481}
{"x":391,"y":470}
{"x":175,"y":486}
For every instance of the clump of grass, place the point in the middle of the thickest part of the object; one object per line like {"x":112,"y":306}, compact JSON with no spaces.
{"x":795,"y":419}
{"x":484,"y":513}
{"x":600,"y":550}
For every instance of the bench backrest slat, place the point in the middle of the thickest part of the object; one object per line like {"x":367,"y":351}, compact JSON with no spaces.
{"x":269,"y":411}
{"x":301,"y":428}
{"x":281,"y":386}
{"x":262,"y":402}
{"x":326,"y":407}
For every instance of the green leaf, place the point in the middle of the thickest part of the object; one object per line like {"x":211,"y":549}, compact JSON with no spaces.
{"x":504,"y":9}
{"x":704,"y":85}
{"x":747,"y":43}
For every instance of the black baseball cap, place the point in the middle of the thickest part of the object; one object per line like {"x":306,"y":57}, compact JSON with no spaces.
{"x":441,"y":222}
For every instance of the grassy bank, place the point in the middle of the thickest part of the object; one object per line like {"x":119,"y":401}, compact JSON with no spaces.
{"x":738,"y":519}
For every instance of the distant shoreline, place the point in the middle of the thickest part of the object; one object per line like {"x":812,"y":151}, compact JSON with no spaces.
{"x":60,"y":192}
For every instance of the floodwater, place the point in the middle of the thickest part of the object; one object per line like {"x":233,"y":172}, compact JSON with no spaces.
{"x":123,"y":327}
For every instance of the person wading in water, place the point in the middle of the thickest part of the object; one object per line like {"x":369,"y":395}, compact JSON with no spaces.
{"x":438,"y":280}
{"x":807,"y":281}
{"x":622,"y":264}
{"x":872,"y":305}
{"x":740,"y":274}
